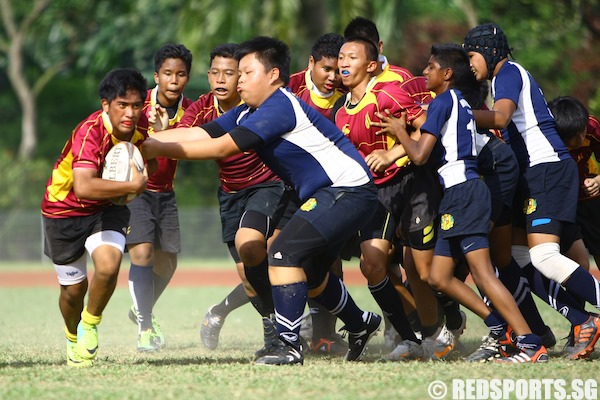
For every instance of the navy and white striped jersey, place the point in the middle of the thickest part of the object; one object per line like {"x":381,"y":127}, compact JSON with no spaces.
{"x":299,"y":144}
{"x":450,"y":120}
{"x":532,"y":131}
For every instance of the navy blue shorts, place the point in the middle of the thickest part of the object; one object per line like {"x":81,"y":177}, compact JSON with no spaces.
{"x":465,"y":210}
{"x":498,"y":165}
{"x":267,"y":198}
{"x":333,"y":215}
{"x":154,"y":219}
{"x":548,"y":192}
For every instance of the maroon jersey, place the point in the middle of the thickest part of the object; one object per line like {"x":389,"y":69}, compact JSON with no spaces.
{"x":416,"y":87}
{"x":162,"y":179}
{"x":87,"y":147}
{"x":355,"y":121}
{"x":392,"y":73}
{"x":236,"y":172}
{"x":302,"y":86}
{"x":587,"y":156}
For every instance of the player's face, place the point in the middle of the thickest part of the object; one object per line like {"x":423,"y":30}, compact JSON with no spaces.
{"x":223,"y":78}
{"x":576,"y":141}
{"x":435,"y":75}
{"x":325,"y":74}
{"x":353,"y":64}
{"x":255,"y":83}
{"x":124,"y":113}
{"x":478,"y":65}
{"x":171,"y":78}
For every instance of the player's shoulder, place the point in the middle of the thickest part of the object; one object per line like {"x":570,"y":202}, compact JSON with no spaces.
{"x":404,"y":73}
{"x":593,"y":128}
{"x":297,"y":81}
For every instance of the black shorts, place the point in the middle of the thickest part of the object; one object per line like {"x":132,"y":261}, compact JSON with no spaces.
{"x":411,"y":201}
{"x":292,"y":205}
{"x":588,"y":219}
{"x":266,"y":198}
{"x":154,"y":219}
{"x":64,"y":238}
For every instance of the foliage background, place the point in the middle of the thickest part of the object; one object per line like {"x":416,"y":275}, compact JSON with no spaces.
{"x":58,"y":50}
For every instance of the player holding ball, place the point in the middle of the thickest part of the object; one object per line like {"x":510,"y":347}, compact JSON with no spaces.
{"x":78,"y":215}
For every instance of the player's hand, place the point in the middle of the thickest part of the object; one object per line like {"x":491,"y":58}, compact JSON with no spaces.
{"x":150,"y":148}
{"x":158,"y":118}
{"x":139,"y":179}
{"x":390,"y":124}
{"x":591,"y":186}
{"x":379,"y":160}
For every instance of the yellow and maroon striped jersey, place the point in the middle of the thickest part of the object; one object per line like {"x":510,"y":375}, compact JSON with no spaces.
{"x":587,"y":156}
{"x":236,"y":172}
{"x":162,"y":179}
{"x":87,"y":147}
{"x":302,"y":86}
{"x":355,"y":121}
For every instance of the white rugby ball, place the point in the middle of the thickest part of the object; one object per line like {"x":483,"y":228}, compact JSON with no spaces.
{"x":117,"y":167}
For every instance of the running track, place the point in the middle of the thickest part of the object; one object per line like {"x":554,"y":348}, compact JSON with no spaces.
{"x":183,"y":277}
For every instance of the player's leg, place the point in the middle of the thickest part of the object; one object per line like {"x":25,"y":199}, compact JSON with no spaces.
{"x":323,"y":222}
{"x":64,"y":244}
{"x":140,"y":244}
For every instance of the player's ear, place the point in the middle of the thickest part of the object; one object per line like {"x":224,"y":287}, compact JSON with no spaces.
{"x":311,"y":62}
{"x":372,"y":66}
{"x":156,"y":78}
{"x":274,"y":75}
{"x":105,"y":105}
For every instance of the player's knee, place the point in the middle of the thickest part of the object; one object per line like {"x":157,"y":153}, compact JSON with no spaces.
{"x":547,"y":259}
{"x":252,"y":252}
{"x":372,"y":270}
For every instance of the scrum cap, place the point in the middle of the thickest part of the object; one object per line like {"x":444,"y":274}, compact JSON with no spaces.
{"x":488,"y":40}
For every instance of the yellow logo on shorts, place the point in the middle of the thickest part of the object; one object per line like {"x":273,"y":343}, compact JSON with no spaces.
{"x":428,"y":233}
{"x":447,"y":222}
{"x":530,"y":206}
{"x":309,"y":205}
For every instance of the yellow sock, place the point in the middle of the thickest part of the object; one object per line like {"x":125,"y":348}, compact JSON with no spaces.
{"x":71,"y":337}
{"x":89,"y":318}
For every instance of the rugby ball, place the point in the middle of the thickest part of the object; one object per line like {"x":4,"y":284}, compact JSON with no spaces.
{"x":117,"y":167}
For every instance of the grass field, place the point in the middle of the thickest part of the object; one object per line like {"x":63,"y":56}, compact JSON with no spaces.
{"x":32,"y":356}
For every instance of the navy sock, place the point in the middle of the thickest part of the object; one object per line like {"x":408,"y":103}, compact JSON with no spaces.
{"x":338,"y":301}
{"x":390,"y":303}
{"x":496,"y":323}
{"x":141,"y":288}
{"x":555,"y":296}
{"x":235,"y":299}
{"x":583,"y":285}
{"x":290,"y":301}
{"x":512,"y":277}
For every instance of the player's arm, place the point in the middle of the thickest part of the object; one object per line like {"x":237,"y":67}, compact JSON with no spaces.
{"x":497,"y":118}
{"x":181,"y":135}
{"x":87,"y":184}
{"x":203,"y":149}
{"x":417,"y":150}
{"x":379,"y":160}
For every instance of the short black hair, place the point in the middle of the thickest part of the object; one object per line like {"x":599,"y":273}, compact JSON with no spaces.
{"x":271,"y":52}
{"x":570,"y":114}
{"x":328,"y":45}
{"x":118,"y":81}
{"x":362,"y":27}
{"x":370,"y":47}
{"x":455,"y":57}
{"x":173,"y":50}
{"x":226,"y":50}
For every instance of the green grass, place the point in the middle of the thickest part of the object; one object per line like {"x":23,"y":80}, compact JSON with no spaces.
{"x":32,"y":356}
